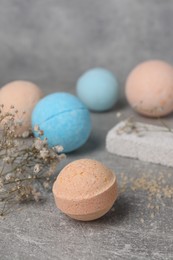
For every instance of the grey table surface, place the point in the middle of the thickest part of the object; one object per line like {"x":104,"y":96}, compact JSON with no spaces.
{"x":51,"y":43}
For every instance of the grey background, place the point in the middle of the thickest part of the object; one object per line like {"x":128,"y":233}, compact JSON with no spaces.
{"x":51,"y":42}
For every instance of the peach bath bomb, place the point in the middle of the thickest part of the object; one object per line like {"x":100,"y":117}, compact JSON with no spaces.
{"x":23,"y":95}
{"x":149,"y":88}
{"x":98,"y":89}
{"x":85,"y":190}
{"x":64,"y":120}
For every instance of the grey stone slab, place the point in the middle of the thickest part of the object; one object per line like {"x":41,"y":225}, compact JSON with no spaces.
{"x":145,"y":142}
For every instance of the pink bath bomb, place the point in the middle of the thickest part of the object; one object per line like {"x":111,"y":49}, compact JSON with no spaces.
{"x":149,"y":88}
{"x":23,"y":95}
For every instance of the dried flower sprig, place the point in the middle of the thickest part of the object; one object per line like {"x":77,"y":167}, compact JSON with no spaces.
{"x":132,"y":127}
{"x":27,"y":165}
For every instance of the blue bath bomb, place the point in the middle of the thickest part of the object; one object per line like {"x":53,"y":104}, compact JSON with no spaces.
{"x":98,"y":89}
{"x":64,"y":119}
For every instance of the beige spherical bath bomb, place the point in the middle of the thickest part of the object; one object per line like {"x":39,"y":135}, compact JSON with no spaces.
{"x":23,"y":95}
{"x":149,"y":88}
{"x":85,"y":190}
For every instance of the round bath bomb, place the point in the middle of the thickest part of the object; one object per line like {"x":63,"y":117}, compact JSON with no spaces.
{"x":85,"y":190}
{"x":23,"y":95}
{"x":98,"y":89}
{"x":149,"y":88}
{"x":64,"y":119}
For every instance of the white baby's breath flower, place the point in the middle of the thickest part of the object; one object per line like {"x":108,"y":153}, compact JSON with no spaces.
{"x":58,"y":148}
{"x":37,"y":196}
{"x":8,"y":143}
{"x":9,"y":176}
{"x":53,"y":154}
{"x":44,"y":153}
{"x":19,"y":170}
{"x":46,"y":184}
{"x":27,"y":167}
{"x":37,"y":168}
{"x":36,"y":128}
{"x":40,"y":132}
{"x":25,"y":134}
{"x":19,"y":122}
{"x":38,"y":144}
{"x":52,"y":168}
{"x":62,"y":156}
{"x":7,"y":159}
{"x":44,"y":141}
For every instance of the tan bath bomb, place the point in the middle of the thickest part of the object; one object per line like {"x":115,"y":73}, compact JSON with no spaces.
{"x":23,"y":95}
{"x":85,"y":190}
{"x":149,"y":88}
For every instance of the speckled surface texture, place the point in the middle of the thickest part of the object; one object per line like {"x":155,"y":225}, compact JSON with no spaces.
{"x":52,"y":43}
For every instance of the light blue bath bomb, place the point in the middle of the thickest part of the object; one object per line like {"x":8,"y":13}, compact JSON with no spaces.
{"x":64,"y":119}
{"x":98,"y":89}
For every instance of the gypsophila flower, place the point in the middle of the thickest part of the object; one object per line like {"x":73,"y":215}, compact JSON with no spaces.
{"x":46,"y":184}
{"x":58,"y":148}
{"x":37,"y":168}
{"x":52,"y":168}
{"x":7,"y":159}
{"x":19,"y":121}
{"x":44,"y":141}
{"x":37,"y":196}
{"x":9,"y":176}
{"x":40,"y":132}
{"x":44,"y":153}
{"x":62,"y":156}
{"x":25,"y":134}
{"x":36,"y":128}
{"x":27,"y":166}
{"x":38,"y":144}
{"x":18,"y":170}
